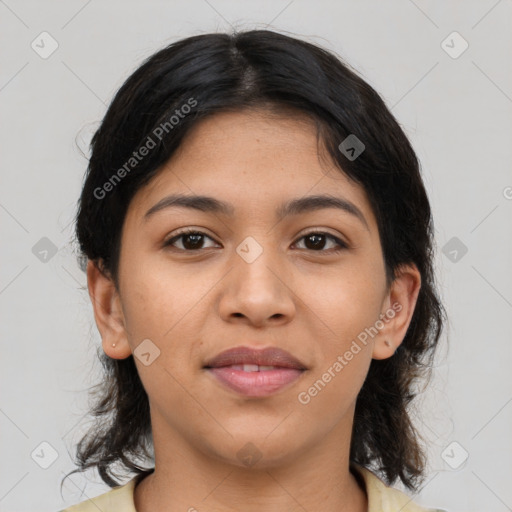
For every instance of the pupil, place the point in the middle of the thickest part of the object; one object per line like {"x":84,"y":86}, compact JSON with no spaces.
{"x":318,"y":241}
{"x":193,"y":245}
{"x":318,"y":238}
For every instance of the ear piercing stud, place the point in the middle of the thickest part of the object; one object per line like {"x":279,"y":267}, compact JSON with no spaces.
{"x":113,"y":344}
{"x":387,"y":343}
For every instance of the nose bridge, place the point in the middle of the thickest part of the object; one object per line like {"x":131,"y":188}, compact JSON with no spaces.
{"x":256,"y":266}
{"x":257,"y":286}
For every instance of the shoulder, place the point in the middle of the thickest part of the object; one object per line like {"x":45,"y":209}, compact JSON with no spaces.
{"x":118,"y":499}
{"x":382,"y":498}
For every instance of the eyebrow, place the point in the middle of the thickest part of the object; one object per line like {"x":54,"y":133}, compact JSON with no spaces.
{"x":293,"y":207}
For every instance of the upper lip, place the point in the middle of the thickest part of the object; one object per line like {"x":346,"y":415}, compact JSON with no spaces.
{"x":271,"y":356}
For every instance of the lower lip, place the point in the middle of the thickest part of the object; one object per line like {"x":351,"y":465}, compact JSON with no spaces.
{"x":256,"y":384}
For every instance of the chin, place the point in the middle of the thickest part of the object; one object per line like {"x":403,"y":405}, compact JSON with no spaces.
{"x":260,"y":452}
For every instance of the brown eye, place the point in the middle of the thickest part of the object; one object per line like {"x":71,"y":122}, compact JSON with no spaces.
{"x":190,"y":240}
{"x":317,"y":241}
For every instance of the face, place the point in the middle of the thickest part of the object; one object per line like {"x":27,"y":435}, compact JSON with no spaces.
{"x":310,"y":282}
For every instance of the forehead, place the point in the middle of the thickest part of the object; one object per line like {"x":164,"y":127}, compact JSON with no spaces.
{"x":254,"y":160}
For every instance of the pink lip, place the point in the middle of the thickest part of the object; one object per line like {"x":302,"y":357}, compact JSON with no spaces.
{"x":270,"y":356}
{"x":256,"y":384}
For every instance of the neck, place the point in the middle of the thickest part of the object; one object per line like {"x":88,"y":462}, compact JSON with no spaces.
{"x":318,"y":479}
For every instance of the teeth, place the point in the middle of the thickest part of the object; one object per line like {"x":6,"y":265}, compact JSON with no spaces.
{"x":251,"y":367}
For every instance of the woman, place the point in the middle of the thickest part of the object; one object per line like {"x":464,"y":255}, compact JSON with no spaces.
{"x":259,"y":248}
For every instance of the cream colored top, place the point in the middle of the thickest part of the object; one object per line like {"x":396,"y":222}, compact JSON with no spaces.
{"x":381,"y":498}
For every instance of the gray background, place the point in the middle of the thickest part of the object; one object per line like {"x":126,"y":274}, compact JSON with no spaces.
{"x":455,"y":109}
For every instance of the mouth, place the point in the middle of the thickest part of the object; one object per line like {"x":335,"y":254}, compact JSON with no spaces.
{"x":255,"y":373}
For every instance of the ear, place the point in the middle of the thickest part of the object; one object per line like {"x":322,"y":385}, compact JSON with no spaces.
{"x":398,"y":309}
{"x":107,"y":312}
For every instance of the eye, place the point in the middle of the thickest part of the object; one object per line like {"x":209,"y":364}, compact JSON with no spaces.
{"x":316,"y":241}
{"x":191,"y":240}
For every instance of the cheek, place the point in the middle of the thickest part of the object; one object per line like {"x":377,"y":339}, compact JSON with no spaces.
{"x":344,"y":302}
{"x":160,"y":307}
{"x":165,"y":306}
{"x":157,"y":298}
{"x":342,"y":313}
{"x":333,"y":387}
{"x":346,"y":306}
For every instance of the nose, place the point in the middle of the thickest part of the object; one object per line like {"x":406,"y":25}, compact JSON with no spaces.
{"x":258,"y":293}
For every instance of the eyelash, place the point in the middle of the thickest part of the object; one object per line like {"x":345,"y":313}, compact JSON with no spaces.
{"x":341,"y":245}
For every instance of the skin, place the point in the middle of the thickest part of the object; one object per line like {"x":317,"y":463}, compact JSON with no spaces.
{"x":296,"y":295}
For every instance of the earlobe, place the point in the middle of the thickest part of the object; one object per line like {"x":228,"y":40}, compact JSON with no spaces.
{"x":108,"y":313}
{"x":398,"y":310}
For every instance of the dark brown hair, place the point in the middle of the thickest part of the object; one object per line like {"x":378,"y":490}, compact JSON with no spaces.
{"x":255,"y":69}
